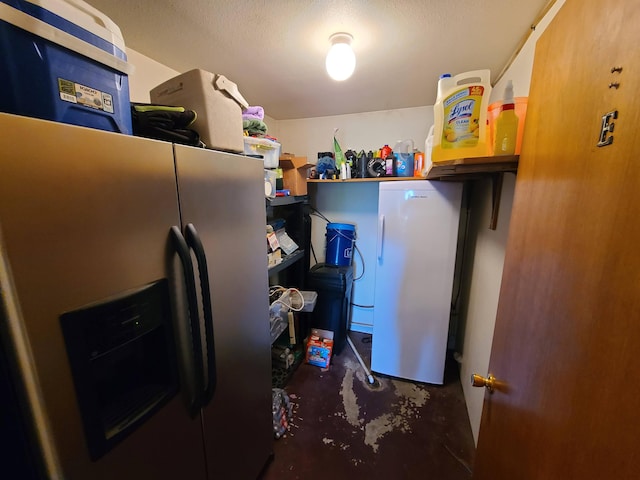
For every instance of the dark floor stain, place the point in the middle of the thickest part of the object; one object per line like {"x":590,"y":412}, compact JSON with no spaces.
{"x":345,"y":428}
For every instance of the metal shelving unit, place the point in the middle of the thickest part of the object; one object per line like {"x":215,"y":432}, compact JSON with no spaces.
{"x":291,"y":272}
{"x":287,"y":261}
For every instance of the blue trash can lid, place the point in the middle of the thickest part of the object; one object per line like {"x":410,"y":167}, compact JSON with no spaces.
{"x":341,"y":226}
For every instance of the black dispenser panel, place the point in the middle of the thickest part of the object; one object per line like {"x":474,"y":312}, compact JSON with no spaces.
{"x":123,"y":362}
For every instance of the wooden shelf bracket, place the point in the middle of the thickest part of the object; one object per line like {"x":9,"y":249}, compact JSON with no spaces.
{"x":496,"y":184}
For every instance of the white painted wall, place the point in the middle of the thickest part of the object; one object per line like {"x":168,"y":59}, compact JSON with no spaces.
{"x":484,"y":273}
{"x":148,"y":74}
{"x":368,"y":131}
{"x":355,"y":203}
{"x":481,"y":288}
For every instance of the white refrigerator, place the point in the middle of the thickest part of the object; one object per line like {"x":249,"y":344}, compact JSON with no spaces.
{"x":416,"y":252}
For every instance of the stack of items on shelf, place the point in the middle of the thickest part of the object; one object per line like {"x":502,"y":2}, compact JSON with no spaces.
{"x":401,"y":161}
{"x":253,"y":122}
{"x":171,"y":124}
{"x":284,"y":175}
{"x":285,"y":351}
{"x":278,"y":242}
{"x":284,"y":302}
{"x":256,"y":141}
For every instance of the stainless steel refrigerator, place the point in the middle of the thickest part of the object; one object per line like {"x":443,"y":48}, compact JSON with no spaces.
{"x":134,"y":308}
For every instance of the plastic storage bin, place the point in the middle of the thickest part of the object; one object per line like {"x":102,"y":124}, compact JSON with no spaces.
{"x":215,"y":99}
{"x":309,"y":299}
{"x":269,"y":150}
{"x":292,"y":300}
{"x":65,"y":61}
{"x":333,"y":305}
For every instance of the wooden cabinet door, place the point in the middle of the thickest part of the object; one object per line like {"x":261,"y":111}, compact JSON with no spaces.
{"x":568,"y":324}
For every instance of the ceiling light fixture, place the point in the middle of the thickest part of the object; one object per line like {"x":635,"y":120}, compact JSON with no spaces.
{"x":341,"y":61}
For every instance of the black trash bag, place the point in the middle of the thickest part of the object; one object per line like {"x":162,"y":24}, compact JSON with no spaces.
{"x":162,"y":122}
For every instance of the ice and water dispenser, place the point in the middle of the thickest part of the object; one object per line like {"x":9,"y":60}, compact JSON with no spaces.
{"x":122,"y":359}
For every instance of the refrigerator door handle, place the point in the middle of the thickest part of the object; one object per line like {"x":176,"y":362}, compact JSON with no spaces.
{"x":380,"y":235}
{"x":194,"y":242}
{"x":195,"y":375}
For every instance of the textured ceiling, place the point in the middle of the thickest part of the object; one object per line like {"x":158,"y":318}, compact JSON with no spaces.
{"x":274,"y":50}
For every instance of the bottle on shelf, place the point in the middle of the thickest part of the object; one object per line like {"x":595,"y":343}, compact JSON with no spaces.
{"x":404,"y":158}
{"x":506,"y":125}
{"x":460,"y":116}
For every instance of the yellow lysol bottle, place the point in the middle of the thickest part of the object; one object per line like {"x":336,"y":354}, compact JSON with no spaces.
{"x":460,"y":116}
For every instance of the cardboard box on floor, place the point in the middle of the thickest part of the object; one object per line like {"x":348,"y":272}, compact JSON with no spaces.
{"x":319,"y":348}
{"x":294,"y":173}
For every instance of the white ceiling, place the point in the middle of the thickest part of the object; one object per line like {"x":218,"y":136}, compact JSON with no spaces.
{"x":274,"y":50}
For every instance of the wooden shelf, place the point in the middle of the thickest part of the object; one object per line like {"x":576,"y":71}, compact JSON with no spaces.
{"x":354,"y":180}
{"x":466,"y":168}
{"x":288,"y":200}
{"x":462,"y":169}
{"x":459,"y":169}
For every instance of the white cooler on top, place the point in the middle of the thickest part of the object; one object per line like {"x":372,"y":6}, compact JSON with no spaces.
{"x":217,"y":102}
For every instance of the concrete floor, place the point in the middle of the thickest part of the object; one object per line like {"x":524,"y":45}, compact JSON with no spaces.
{"x":343,"y":428}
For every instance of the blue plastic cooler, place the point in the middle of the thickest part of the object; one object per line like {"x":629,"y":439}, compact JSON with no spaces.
{"x":57,"y":62}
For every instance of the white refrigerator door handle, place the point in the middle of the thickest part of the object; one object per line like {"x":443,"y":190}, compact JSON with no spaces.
{"x":380,"y":235}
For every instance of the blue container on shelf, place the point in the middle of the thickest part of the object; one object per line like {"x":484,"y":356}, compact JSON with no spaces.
{"x":404,"y":164}
{"x":340,"y":240}
{"x":403,"y":153}
{"x":63,"y":61}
